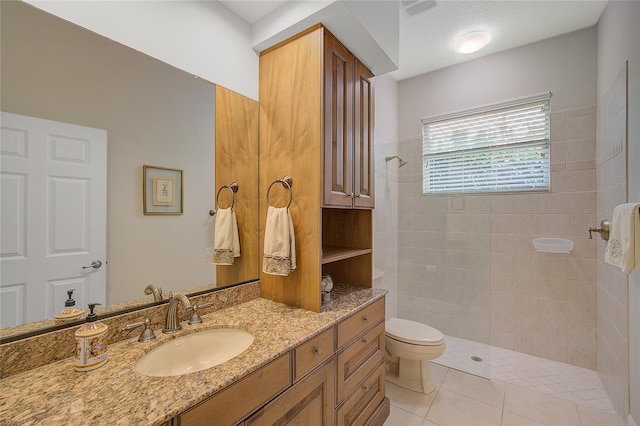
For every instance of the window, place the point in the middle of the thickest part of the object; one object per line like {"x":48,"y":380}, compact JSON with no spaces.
{"x":501,"y":149}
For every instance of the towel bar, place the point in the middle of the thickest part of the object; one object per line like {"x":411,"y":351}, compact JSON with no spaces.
{"x":603,"y":230}
{"x":233,"y":187}
{"x":287,"y":182}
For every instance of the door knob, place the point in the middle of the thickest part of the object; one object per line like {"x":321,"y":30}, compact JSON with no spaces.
{"x":94,"y":265}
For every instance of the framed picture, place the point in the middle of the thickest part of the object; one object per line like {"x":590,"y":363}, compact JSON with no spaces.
{"x":161,"y":190}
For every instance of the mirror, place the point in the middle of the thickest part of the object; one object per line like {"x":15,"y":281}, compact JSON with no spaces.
{"x":153,"y":114}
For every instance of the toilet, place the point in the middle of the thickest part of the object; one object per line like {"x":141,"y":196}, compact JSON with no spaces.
{"x":410,"y":346}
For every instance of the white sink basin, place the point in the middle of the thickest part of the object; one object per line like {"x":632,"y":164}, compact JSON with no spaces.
{"x":194,"y":352}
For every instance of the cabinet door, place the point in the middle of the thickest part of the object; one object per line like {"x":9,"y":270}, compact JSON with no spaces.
{"x":338,"y":124}
{"x":307,"y":403}
{"x":363,"y":137}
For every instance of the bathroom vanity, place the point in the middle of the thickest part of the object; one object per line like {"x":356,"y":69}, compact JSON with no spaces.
{"x":302,"y":368}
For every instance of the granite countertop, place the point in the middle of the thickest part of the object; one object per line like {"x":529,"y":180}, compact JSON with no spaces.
{"x":116,"y":394}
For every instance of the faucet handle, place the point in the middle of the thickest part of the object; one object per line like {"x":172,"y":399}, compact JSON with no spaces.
{"x":195,"y":317}
{"x":147,"y":334}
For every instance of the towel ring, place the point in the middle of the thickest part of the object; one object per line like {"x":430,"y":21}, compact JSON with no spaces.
{"x":287,"y":182}
{"x":233,"y":187}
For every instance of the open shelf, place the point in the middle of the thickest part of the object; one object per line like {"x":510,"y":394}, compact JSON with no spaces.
{"x":335,"y":254}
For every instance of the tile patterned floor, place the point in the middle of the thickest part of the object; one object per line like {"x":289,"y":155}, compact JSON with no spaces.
{"x":463,"y":399}
{"x":579,"y":385}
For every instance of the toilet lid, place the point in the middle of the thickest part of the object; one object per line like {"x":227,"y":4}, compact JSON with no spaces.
{"x":413,"y":332}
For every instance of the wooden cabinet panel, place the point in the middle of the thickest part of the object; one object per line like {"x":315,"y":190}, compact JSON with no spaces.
{"x":307,"y":403}
{"x":313,"y":353}
{"x":348,"y":128}
{"x":359,"y":322}
{"x":236,"y":153}
{"x":234,"y":403}
{"x":362,"y":403}
{"x":338,"y":123}
{"x":358,"y":360}
{"x":363,"y":181}
{"x":291,"y":117}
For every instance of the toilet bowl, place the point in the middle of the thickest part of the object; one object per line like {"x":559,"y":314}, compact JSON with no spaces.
{"x":410,"y":346}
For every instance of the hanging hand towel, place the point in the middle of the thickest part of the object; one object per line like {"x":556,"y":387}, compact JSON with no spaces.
{"x":623,"y":248}
{"x":279,"y":242}
{"x":226,"y":241}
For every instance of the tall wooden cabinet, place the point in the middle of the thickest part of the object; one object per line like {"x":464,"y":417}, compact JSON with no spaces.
{"x":316,"y":125}
{"x":348,"y":128}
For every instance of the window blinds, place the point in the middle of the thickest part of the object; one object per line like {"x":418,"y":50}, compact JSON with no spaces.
{"x":499,"y":150}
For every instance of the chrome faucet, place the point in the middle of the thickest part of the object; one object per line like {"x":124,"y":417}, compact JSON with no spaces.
{"x":157,"y":292}
{"x":171,"y":321}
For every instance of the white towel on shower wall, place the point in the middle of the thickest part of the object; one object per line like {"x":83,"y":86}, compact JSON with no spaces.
{"x":623,"y":248}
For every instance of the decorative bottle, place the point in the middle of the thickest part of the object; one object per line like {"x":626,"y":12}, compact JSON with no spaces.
{"x":91,"y":343}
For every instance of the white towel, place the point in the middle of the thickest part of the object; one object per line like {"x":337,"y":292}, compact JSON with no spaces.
{"x":226,"y":244}
{"x":623,"y":248}
{"x":279,"y":242}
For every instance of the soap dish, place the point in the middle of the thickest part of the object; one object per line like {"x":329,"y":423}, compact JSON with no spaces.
{"x":553,"y":245}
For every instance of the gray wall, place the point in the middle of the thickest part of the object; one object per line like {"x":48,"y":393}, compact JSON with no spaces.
{"x":153,"y":114}
{"x":564,"y":65}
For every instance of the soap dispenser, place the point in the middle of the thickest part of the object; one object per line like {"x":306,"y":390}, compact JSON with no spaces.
{"x":91,"y":343}
{"x":70,"y":312}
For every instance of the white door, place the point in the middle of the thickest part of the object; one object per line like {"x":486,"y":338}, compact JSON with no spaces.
{"x":53,"y":213}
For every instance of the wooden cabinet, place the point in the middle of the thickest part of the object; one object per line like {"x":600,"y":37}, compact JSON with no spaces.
{"x":360,"y":384}
{"x":307,"y":403}
{"x":348,"y":128}
{"x":316,"y":125}
{"x":327,"y":388}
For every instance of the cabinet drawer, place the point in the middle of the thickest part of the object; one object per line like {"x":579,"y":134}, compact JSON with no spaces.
{"x":313,"y":352}
{"x":234,"y":403}
{"x":359,"y":359}
{"x":359,"y":322}
{"x":359,"y":407}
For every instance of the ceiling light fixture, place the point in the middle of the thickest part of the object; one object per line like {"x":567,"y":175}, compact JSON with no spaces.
{"x":472,"y":42}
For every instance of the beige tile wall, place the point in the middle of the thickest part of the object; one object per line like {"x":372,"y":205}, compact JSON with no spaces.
{"x":612,"y":285}
{"x":468,"y":266}
{"x":385,"y":224}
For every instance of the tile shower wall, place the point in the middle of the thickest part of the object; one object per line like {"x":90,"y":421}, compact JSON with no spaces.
{"x":613,"y":296}
{"x":385,"y":224}
{"x":468,"y":267}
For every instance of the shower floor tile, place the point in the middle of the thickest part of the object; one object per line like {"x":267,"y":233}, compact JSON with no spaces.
{"x":576,"y":384}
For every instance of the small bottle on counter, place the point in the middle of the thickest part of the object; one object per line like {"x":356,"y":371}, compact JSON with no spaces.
{"x":91,"y":343}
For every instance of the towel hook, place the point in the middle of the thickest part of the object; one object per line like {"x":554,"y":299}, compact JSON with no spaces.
{"x":603,"y":230}
{"x":233,"y":187}
{"x":287,"y":182}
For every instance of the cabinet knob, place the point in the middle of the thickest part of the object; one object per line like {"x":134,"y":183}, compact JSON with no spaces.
{"x":365,"y":341}
{"x":350,"y":195}
{"x":365,"y":319}
{"x":366,"y":388}
{"x":318,"y":350}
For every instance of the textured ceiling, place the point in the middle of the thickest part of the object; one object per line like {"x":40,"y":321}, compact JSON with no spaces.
{"x":426,"y":39}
